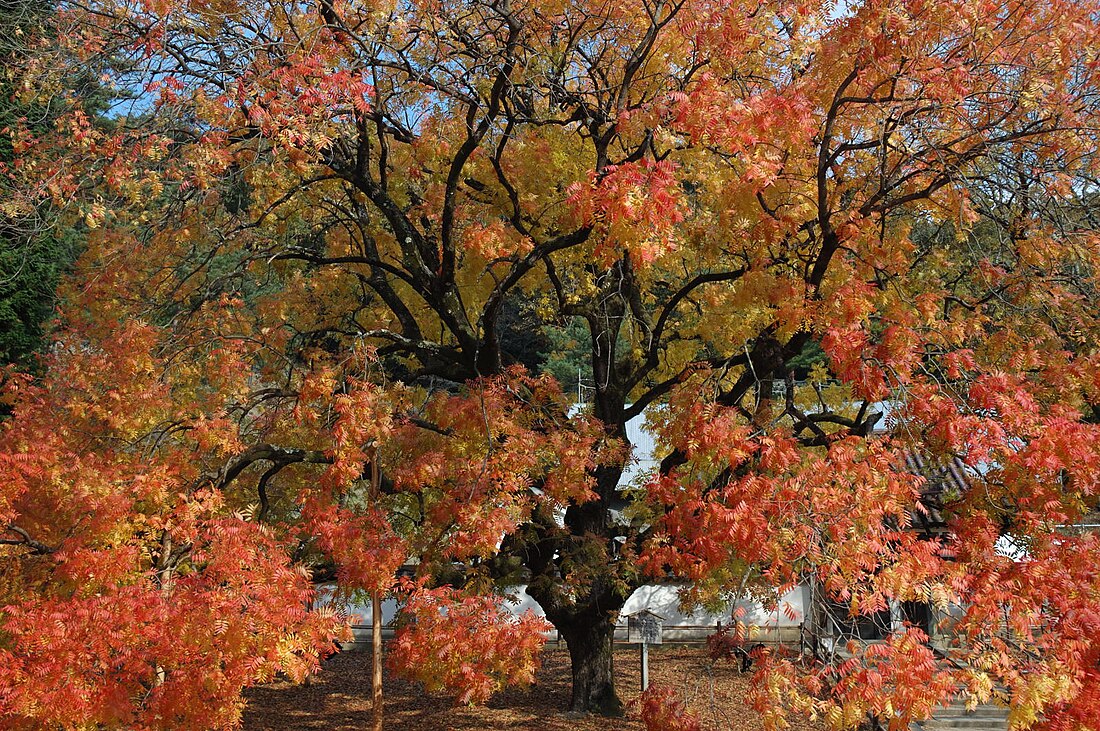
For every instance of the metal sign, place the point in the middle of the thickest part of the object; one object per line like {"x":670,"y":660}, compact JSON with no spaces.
{"x":644,"y":627}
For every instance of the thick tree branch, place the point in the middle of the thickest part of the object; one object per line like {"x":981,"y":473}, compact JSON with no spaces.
{"x":38,"y":548}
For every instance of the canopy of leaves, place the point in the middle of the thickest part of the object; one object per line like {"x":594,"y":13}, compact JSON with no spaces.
{"x":290,"y":342}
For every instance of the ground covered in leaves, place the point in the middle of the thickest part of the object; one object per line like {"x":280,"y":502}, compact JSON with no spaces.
{"x":339,"y":698}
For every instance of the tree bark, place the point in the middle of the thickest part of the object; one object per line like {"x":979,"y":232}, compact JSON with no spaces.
{"x":588,"y":628}
{"x":590,"y":654}
{"x":576,"y":574}
{"x":376,"y":661}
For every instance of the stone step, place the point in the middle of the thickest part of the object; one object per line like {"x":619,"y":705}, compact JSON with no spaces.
{"x":969,"y":721}
{"x":956,"y":717}
{"x":960,"y":711}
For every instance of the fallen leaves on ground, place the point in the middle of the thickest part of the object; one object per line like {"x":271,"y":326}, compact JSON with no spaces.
{"x":339,"y":698}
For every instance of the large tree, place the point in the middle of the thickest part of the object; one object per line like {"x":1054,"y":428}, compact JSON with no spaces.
{"x":287,"y":342}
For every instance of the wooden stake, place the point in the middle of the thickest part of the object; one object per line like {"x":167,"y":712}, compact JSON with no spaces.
{"x":376,"y":654}
{"x":376,"y":620}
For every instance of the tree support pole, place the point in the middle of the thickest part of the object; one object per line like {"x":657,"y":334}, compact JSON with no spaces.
{"x":376,"y":621}
{"x":376,"y":659}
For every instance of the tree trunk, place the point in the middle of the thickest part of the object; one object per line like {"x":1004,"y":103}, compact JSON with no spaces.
{"x":590,"y":654}
{"x":580,"y":581}
{"x":376,"y":661}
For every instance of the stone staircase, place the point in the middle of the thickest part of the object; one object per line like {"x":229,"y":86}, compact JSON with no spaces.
{"x":955,"y":717}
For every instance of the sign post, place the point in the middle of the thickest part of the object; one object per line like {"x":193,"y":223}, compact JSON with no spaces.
{"x":644,"y":627}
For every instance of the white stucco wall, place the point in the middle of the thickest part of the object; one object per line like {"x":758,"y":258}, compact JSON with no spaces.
{"x":661,"y":599}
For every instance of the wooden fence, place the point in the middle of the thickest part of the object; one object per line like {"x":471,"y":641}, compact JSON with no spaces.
{"x":678,"y":634}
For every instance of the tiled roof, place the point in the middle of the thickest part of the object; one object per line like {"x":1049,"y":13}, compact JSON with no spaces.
{"x":944,"y":481}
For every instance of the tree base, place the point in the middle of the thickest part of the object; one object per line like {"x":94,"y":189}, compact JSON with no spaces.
{"x":592,"y":659}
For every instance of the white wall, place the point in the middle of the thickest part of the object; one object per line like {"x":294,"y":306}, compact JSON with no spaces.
{"x":658,"y":598}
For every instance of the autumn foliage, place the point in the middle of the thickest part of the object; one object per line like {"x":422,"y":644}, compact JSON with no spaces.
{"x":311,"y":228}
{"x":470,"y":646}
{"x":662,"y":710}
{"x":102,"y":615}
